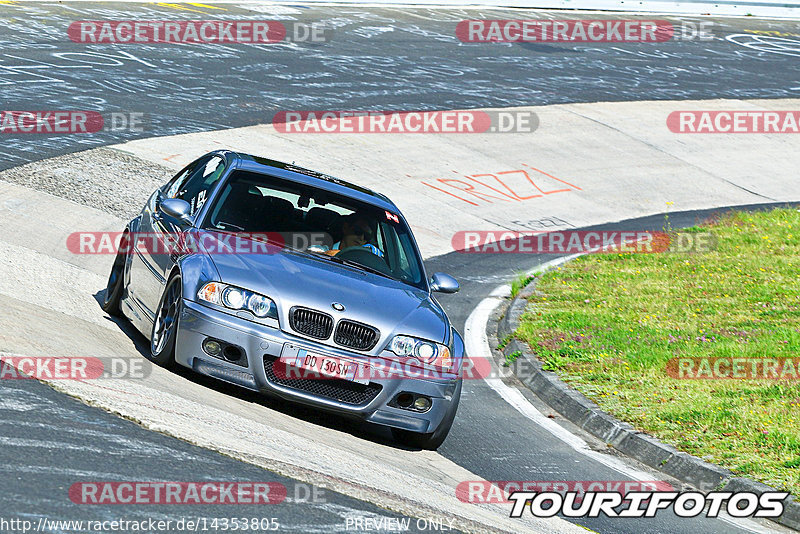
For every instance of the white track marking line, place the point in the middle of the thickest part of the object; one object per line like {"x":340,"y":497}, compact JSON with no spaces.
{"x":477,"y":345}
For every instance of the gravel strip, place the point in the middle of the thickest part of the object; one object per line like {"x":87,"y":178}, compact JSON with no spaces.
{"x":102,"y":178}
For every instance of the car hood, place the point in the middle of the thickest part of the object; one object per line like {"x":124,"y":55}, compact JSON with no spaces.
{"x":296,"y":279}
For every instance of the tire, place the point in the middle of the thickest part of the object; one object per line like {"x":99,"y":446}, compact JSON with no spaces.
{"x":165,"y":325}
{"x":116,"y":281}
{"x":431,"y":441}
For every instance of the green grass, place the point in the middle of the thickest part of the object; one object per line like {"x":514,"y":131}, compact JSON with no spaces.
{"x":520,"y":281}
{"x":608,"y":324}
{"x":511,"y":358}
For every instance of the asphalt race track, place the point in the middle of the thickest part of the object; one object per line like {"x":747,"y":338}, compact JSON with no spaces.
{"x":60,"y":439}
{"x":392,"y":59}
{"x":377,"y":59}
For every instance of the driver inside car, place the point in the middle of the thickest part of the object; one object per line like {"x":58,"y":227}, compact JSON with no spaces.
{"x":355,"y":233}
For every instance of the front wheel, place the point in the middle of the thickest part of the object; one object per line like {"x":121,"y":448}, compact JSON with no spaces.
{"x":165,"y":326}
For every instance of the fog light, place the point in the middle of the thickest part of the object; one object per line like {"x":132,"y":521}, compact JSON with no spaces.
{"x":422,"y":404}
{"x":212,"y":347}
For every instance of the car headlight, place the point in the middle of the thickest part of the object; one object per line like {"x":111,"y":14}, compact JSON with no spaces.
{"x":233,"y":298}
{"x":426,"y":352}
{"x":260,"y":305}
{"x":236,"y":298}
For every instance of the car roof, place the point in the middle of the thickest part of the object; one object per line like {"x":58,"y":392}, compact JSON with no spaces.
{"x":289,"y":171}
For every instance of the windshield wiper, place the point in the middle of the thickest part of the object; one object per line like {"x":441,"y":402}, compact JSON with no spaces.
{"x":361,"y":266}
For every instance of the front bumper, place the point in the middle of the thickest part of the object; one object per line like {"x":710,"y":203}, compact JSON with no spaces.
{"x":262,"y":345}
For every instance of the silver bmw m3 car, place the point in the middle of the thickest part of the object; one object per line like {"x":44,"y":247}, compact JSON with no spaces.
{"x":295,"y":284}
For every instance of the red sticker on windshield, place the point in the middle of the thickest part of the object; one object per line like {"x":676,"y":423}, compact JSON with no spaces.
{"x":392,"y":217}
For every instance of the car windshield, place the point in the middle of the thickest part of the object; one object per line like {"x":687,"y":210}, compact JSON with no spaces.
{"x":332,"y":227}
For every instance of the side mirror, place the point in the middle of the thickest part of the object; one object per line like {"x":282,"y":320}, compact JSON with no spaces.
{"x":177,"y":209}
{"x":444,"y":283}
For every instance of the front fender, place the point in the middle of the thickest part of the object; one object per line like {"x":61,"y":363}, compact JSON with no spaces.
{"x":196,"y":270}
{"x":457,"y":348}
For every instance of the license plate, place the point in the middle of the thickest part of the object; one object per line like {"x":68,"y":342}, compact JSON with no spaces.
{"x":326,"y":366}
